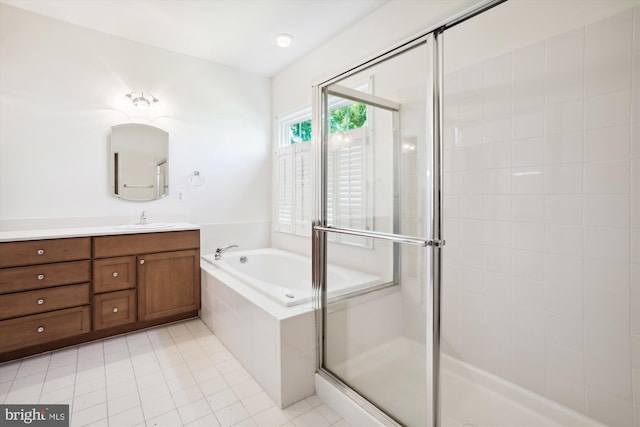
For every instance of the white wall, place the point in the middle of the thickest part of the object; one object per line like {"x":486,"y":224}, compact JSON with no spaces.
{"x":541,"y":201}
{"x":61,"y":89}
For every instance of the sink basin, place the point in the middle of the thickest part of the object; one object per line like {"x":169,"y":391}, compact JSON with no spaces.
{"x":150,"y":226}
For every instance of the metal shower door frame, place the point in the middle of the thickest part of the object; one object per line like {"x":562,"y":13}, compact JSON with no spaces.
{"x":433,"y":244}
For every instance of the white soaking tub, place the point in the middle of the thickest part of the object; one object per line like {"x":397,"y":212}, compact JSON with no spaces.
{"x":285,"y":277}
{"x":261,"y":311}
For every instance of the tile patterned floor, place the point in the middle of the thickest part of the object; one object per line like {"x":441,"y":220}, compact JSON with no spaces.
{"x":175,"y":375}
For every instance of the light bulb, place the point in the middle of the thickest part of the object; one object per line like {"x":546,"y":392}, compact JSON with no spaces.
{"x":284,"y":40}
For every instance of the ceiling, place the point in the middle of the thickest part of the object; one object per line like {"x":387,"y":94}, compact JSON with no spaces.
{"x":237,"y":33}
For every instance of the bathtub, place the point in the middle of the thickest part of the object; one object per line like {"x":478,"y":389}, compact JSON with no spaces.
{"x":285,"y":277}
{"x":261,"y":311}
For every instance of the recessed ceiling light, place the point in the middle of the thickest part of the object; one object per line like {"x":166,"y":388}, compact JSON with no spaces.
{"x":284,"y":40}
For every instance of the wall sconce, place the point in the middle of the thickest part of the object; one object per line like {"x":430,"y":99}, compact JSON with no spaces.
{"x":140,"y":101}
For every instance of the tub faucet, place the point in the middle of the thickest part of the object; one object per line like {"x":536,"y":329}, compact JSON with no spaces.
{"x":143,"y":218}
{"x":222,"y":250}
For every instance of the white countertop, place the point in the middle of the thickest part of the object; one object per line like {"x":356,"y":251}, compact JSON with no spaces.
{"x":58,"y":233}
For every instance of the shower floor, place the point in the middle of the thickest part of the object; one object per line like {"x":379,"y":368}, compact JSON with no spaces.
{"x":392,"y":373}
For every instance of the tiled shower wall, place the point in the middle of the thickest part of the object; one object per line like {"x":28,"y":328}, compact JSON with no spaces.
{"x":542,"y":218}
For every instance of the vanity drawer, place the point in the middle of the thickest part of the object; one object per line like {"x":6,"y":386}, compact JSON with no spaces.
{"x":13,"y":254}
{"x":39,"y":328}
{"x":144,"y":243}
{"x":43,"y":276}
{"x":30,"y":302}
{"x":114,"y":309}
{"x":114,"y":274}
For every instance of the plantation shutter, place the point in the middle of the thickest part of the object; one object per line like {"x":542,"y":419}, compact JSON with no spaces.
{"x":302,"y":196}
{"x":346,"y":186}
{"x":285,"y":189}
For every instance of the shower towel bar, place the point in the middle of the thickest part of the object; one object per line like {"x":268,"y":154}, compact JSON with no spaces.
{"x":384,"y":236}
{"x":138,"y":185}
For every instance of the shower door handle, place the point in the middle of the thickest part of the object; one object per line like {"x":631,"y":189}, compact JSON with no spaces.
{"x":398,"y":238}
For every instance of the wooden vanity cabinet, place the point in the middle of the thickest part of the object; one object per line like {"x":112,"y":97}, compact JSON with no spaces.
{"x":167,"y":270}
{"x":44,"y":292}
{"x":60,"y":292}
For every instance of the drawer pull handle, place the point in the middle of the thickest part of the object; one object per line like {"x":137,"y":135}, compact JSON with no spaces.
{"x":141,"y":261}
{"x":40,"y":251}
{"x":40,"y":329}
{"x":40,"y":276}
{"x":115,"y":309}
{"x":40,"y":301}
{"x":115,"y":274}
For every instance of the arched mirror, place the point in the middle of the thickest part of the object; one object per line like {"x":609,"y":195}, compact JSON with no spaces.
{"x":139,"y":162}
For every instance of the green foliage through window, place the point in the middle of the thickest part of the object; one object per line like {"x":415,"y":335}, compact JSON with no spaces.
{"x":352,"y":116}
{"x":300,"y":132}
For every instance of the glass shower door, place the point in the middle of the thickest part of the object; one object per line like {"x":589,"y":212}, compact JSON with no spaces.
{"x":373,"y":236}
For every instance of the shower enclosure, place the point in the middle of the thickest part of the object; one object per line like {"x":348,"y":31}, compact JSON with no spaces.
{"x":520,"y":145}
{"x":378,"y":209}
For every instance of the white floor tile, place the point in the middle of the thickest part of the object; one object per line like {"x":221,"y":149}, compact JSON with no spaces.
{"x":129,"y":417}
{"x":184,"y":396}
{"x":249,"y":422}
{"x":84,"y":387}
{"x":206,"y":373}
{"x":213,"y":385}
{"x":100,"y":423}
{"x":237,"y":376}
{"x":310,"y":419}
{"x":175,"y":371}
{"x":208,"y":421}
{"x":328,"y":413}
{"x":232,"y":414}
{"x":246,"y":388}
{"x":157,"y":407}
{"x":9,"y":370}
{"x":87,"y":400}
{"x":257,"y":402}
{"x":222,"y":399}
{"x":64,"y":357}
{"x":297,"y":409}
{"x":314,"y":400}
{"x":195,"y":410}
{"x":33,"y":365}
{"x":122,"y":403}
{"x":60,"y":395}
{"x":272,"y":417}
{"x":89,"y":415}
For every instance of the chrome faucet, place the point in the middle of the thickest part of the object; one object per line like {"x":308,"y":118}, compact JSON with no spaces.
{"x":222,"y":250}
{"x":143,"y":218}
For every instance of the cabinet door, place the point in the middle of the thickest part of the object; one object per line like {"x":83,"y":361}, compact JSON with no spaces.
{"x":168,"y":283}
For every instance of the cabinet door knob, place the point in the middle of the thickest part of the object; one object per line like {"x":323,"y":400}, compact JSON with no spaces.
{"x":40,"y":251}
{"x":40,"y":329}
{"x":40,"y":301}
{"x":115,"y":309}
{"x":40,"y":276}
{"x":115,"y":274}
{"x":141,"y":261}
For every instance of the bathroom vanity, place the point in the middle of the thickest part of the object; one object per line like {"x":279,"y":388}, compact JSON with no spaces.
{"x":65,"y":287}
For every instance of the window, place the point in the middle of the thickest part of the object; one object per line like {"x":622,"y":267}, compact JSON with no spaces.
{"x":348,"y":202}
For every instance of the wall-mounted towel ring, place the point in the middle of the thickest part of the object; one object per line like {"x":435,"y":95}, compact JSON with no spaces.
{"x":195,"y":179}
